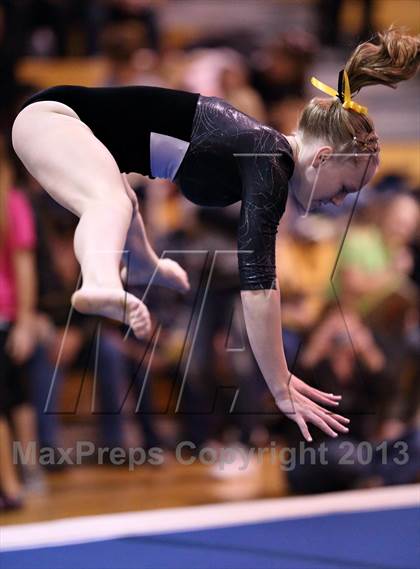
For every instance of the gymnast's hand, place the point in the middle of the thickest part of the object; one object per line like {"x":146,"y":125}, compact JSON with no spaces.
{"x":296,"y":399}
{"x":299,"y":403}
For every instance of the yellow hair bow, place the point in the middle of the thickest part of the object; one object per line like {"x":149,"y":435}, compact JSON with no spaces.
{"x":343,"y":94}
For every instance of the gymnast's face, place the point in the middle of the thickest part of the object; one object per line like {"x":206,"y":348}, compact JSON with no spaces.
{"x":324,"y":178}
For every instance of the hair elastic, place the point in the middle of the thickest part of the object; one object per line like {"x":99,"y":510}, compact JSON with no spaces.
{"x":343,"y":93}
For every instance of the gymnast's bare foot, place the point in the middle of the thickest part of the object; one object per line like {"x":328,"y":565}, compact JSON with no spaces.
{"x":168,"y":273}
{"x":116,"y":304}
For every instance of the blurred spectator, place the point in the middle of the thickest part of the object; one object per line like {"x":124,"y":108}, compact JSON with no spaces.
{"x":305,"y":259}
{"x":375,"y":259}
{"x":330,"y":27}
{"x":10,"y":486}
{"x":284,"y":115}
{"x":204,"y":71}
{"x":7,"y":67}
{"x":69,"y":27}
{"x":373,"y":271}
{"x":129,"y":60}
{"x":280,"y":69}
{"x":391,"y":183}
{"x":18,"y":330}
{"x":142,"y":11}
{"x":222,"y":72}
{"x":38,"y":27}
{"x":415,"y":246}
{"x":237,"y":90}
{"x":342,"y":356}
{"x":399,"y":225}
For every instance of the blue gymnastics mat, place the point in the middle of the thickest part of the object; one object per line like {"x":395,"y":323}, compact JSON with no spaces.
{"x":385,"y":538}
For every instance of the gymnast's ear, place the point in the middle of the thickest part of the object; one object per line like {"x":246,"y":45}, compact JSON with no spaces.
{"x":321,"y":156}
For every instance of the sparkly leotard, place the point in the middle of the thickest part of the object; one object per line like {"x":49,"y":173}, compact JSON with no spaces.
{"x":230,"y":157}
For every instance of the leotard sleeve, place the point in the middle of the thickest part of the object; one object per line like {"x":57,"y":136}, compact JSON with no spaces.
{"x":264,"y":196}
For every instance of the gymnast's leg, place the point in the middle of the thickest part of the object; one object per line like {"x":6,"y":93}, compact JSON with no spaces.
{"x":78,"y":171}
{"x":165,"y":272}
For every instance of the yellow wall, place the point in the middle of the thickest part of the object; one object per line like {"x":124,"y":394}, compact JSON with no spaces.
{"x":401,"y":158}
{"x":73,"y":71}
{"x":386,"y":12}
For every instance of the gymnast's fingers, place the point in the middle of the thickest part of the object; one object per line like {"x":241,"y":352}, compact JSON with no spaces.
{"x":303,"y":427}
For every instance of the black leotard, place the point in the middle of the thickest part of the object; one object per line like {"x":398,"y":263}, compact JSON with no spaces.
{"x":211,"y":173}
{"x":123,"y":117}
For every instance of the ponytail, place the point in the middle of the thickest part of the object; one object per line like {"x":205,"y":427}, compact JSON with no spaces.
{"x":394,"y":57}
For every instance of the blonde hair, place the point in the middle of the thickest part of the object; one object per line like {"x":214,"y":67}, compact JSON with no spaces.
{"x":393,"y":58}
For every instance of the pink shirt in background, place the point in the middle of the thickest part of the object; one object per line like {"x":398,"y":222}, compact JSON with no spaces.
{"x":20,"y":234}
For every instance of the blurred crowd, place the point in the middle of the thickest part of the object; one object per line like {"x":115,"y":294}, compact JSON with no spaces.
{"x":350,"y":291}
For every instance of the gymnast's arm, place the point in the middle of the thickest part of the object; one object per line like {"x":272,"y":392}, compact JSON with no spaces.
{"x":263,"y":202}
{"x":263,"y":323}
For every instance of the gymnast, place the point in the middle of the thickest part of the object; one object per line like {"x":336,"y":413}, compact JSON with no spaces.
{"x":79,"y":143}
